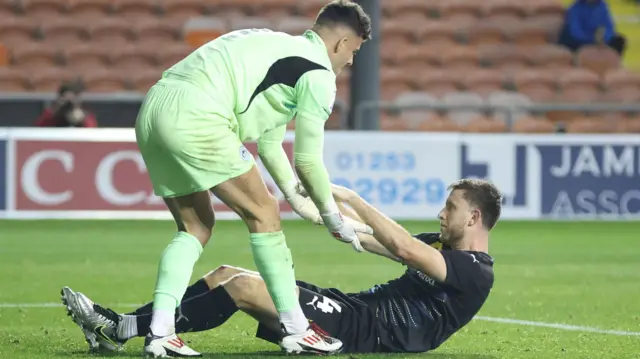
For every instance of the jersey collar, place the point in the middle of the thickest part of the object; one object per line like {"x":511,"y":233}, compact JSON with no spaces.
{"x":315,"y":39}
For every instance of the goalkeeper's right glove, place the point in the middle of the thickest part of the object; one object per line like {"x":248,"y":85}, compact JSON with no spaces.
{"x":345,"y":229}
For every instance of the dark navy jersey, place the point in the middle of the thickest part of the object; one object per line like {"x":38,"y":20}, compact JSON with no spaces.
{"x":416,"y":313}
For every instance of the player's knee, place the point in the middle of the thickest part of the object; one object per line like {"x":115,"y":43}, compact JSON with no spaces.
{"x":221,"y":274}
{"x":243,"y":288}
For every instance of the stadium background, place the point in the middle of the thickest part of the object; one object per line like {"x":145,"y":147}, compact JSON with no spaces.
{"x":447,"y":89}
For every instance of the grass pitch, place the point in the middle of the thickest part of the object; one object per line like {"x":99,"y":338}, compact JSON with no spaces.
{"x":583,"y":274}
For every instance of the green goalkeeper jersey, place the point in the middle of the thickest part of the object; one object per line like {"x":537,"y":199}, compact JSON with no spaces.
{"x":259,"y":80}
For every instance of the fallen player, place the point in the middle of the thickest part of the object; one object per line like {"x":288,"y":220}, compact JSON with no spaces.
{"x":449,"y":277}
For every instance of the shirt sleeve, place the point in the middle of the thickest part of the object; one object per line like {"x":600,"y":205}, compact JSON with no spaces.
{"x":273,"y":156}
{"x":464,"y":272}
{"x":316,"y":95}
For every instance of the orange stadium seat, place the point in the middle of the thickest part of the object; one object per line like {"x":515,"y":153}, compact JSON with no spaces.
{"x":397,"y":53}
{"x":484,"y":81}
{"x":277,"y":8}
{"x":461,"y":10}
{"x":110,"y":32}
{"x":598,"y":59}
{"x":409,"y":11}
{"x":250,"y":22}
{"x":508,"y":99}
{"x":414,"y":116}
{"x":12,"y":80}
{"x":464,"y":115}
{"x":7,"y":10}
{"x":544,"y":8}
{"x":134,"y":57}
{"x":418,"y":59}
{"x":549,"y":56}
{"x":142,"y":79}
{"x":503,"y":10}
{"x":394,"y":82}
{"x":437,"y":33}
{"x":63,"y":32}
{"x":390,"y":124}
{"x":539,"y":85}
{"x":621,"y":80}
{"x":310,"y":8}
{"x":104,"y":80}
{"x":89,"y":9}
{"x":399,"y":32}
{"x":183,"y":9}
{"x":533,"y":124}
{"x":157,"y":31}
{"x":85,"y":56}
{"x":591,"y":124}
{"x":628,"y":125}
{"x":459,"y":57}
{"x":438,"y":82}
{"x":172,"y":53}
{"x":625,"y":95}
{"x":438,"y":123}
{"x":578,"y":78}
{"x":4,"y":55}
{"x":293,"y":25}
{"x":43,"y":9}
{"x":485,"y":124}
{"x":49,"y":79}
{"x":135,"y":9}
{"x":529,"y":34}
{"x":15,"y":31}
{"x":485,"y":32}
{"x":200,"y":30}
{"x":503,"y":56}
{"x":573,"y":95}
{"x":34,"y":55}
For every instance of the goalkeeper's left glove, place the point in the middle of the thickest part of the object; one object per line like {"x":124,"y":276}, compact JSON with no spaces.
{"x":295,"y":194}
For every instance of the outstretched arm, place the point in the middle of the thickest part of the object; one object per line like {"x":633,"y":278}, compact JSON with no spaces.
{"x":394,"y":238}
{"x":368,"y":242}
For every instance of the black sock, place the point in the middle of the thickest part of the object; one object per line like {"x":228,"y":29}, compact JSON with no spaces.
{"x":198,"y":288}
{"x":198,"y":313}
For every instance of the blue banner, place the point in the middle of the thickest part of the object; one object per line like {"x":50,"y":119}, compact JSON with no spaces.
{"x":589,"y":180}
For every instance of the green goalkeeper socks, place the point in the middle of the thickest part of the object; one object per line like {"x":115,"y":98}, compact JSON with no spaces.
{"x":273,"y":260}
{"x":174,"y":273}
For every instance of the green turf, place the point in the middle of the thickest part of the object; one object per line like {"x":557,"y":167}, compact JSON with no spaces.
{"x":584,"y":274}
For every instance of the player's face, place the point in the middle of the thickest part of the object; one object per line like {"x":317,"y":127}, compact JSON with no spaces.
{"x":455,"y":217}
{"x":344,"y":51}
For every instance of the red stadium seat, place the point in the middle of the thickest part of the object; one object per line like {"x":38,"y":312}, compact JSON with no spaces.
{"x":105,"y":81}
{"x":136,"y":9}
{"x":49,"y":79}
{"x":110,"y":32}
{"x":172,"y":54}
{"x":157,"y":31}
{"x":134,"y":57}
{"x":44,"y":9}
{"x":16,"y":31}
{"x":34,"y":55}
{"x":183,"y":9}
{"x":533,"y":124}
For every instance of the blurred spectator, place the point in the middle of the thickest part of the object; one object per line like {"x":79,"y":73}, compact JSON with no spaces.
{"x":589,"y":22}
{"x":67,"y":110}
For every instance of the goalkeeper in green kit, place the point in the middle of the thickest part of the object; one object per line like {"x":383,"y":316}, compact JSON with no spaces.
{"x":246,"y":86}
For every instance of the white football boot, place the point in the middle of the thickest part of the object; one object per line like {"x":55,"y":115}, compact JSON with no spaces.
{"x":167,"y":346}
{"x":314,"y":340}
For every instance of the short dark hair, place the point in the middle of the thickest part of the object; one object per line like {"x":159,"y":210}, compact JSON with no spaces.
{"x":484,"y":195}
{"x":347,"y":13}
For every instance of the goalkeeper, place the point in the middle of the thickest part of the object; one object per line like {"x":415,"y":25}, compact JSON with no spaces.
{"x":246,"y":86}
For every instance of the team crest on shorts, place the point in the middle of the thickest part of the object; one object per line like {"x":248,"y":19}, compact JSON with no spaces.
{"x":245,"y":154}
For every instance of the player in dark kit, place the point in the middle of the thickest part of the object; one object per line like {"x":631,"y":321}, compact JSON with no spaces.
{"x":449,"y":277}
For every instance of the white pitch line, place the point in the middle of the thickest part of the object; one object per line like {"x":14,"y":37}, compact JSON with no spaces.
{"x":529,"y":323}
{"x":575,"y":328}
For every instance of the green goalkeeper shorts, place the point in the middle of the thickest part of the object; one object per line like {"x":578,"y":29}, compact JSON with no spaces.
{"x":186,"y":144}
